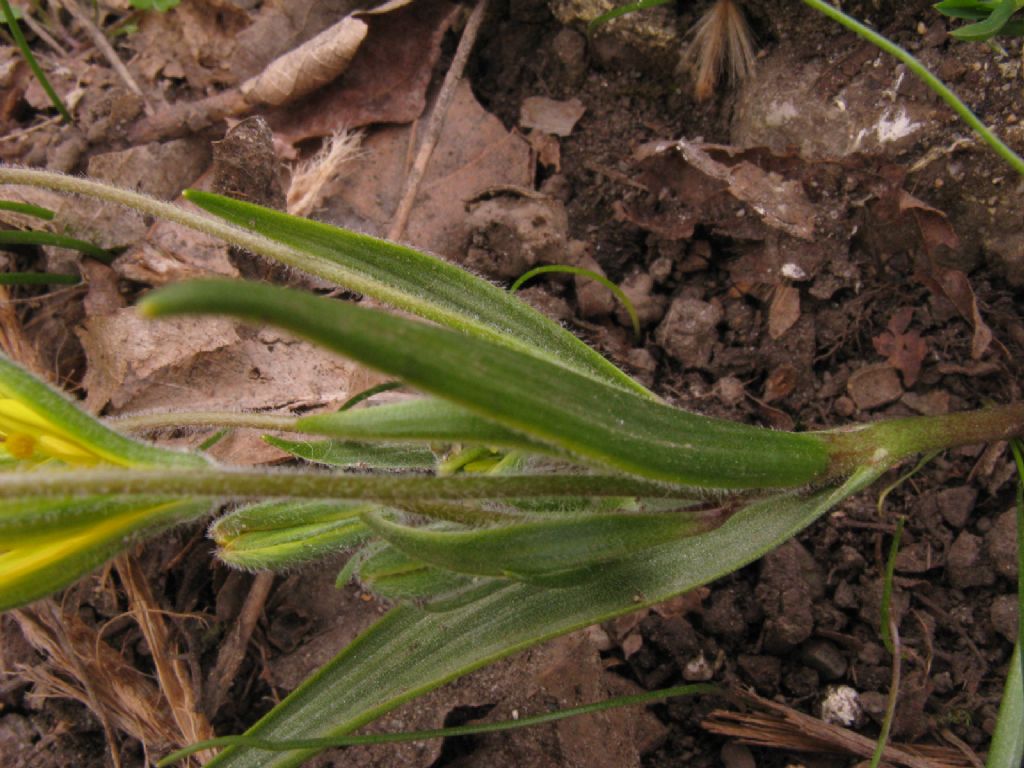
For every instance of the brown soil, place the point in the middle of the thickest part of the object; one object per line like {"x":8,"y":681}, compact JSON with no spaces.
{"x":744,"y":316}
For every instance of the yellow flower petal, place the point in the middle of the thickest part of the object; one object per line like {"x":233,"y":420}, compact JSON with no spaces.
{"x":27,"y":433}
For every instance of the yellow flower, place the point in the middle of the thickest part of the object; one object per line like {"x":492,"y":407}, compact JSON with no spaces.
{"x":53,"y":543}
{"x":38,"y":423}
{"x":45,"y":544}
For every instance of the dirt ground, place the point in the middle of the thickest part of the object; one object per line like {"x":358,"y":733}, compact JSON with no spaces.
{"x":821,"y":243}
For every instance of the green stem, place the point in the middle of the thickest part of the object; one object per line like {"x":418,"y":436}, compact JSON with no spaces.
{"x":145,"y":421}
{"x":19,"y":40}
{"x":286,"y":745}
{"x":318,"y":485}
{"x":919,"y":69}
{"x":886,"y":441}
{"x":158,"y":208}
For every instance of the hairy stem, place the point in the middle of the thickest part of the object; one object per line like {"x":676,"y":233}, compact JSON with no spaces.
{"x":315,"y":485}
{"x":898,"y":438}
{"x":143,"y":421}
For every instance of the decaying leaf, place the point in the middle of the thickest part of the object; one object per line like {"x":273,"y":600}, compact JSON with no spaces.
{"x":550,"y":115}
{"x":937,"y":234}
{"x":778,"y":202}
{"x":474,"y":154}
{"x":313,"y":64}
{"x":784,"y":310}
{"x":387,"y":80}
{"x":904,"y":349}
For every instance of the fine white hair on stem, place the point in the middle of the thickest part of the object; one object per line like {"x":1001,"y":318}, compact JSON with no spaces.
{"x":722,"y":44}
{"x":312,"y":177}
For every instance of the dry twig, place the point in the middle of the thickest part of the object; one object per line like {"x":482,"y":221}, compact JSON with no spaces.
{"x":778,"y":726}
{"x":232,"y":650}
{"x":437,"y":117}
{"x":104,"y":47}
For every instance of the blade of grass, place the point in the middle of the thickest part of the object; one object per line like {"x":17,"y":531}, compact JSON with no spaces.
{"x":622,"y":10}
{"x":30,"y":59}
{"x":27,"y":209}
{"x":591,"y":419}
{"x":1007,"y":749}
{"x":560,"y":268}
{"x":891,"y":639}
{"x":35,"y":237}
{"x":530,"y":721}
{"x":37,"y":278}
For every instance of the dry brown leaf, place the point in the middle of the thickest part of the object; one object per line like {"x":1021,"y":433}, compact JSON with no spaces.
{"x":779,"y":202}
{"x":474,"y":154}
{"x":954,"y":285}
{"x":904,"y":349}
{"x":125,"y":352}
{"x":780,"y":383}
{"x":784,"y":310}
{"x":313,"y":64}
{"x":550,"y":115}
{"x":387,"y":80}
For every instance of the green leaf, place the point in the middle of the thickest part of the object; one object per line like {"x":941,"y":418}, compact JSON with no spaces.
{"x":990,"y":27}
{"x":410,"y":652}
{"x":31,"y":409}
{"x":49,"y":544}
{"x":585,"y":417}
{"x":622,"y":10}
{"x":27,"y":209}
{"x":283,"y":534}
{"x":36,"y":237}
{"x":554,"y":551}
{"x":346,"y":453}
{"x":424,"y":419}
{"x":38,"y":278}
{"x":1007,"y":750}
{"x":417,"y":283}
{"x":394,"y":575}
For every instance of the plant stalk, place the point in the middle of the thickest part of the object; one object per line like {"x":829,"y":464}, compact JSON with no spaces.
{"x":319,"y":485}
{"x":145,"y":421}
{"x":887,"y":441}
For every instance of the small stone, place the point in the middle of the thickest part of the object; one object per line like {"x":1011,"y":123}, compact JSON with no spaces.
{"x":874,"y":704}
{"x":956,"y":504}
{"x":687,"y":332}
{"x":698,"y":669}
{"x":874,"y":386}
{"x":825,"y":658}
{"x":765,"y":672}
{"x":841,"y":706}
{"x":966,"y":565}
{"x":661,"y":269}
{"x":871,"y":653}
{"x":570,"y":49}
{"x":845,"y":407}
{"x":1001,"y":544}
{"x":730,"y":390}
{"x":1004,"y":616}
{"x":802,"y":682}
{"x":737,"y":756}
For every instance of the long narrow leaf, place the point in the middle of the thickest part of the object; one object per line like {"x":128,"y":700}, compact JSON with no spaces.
{"x":424,"y":419}
{"x":410,"y":652}
{"x":591,"y":419}
{"x":419,"y":283}
{"x":345,"y":453}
